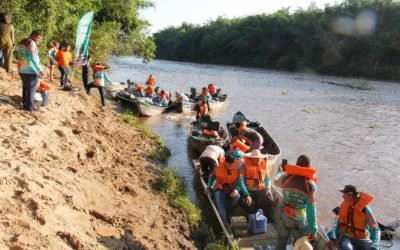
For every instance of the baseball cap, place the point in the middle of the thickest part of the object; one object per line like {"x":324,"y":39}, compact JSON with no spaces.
{"x":350,"y":189}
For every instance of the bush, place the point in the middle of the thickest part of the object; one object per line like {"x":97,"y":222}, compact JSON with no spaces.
{"x":160,"y":152}
{"x":360,"y":84}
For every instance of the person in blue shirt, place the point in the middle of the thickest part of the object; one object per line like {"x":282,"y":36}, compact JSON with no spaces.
{"x":29,"y":68}
{"x":99,"y":77}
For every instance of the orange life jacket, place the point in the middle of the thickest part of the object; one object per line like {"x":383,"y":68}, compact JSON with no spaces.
{"x":42,"y":86}
{"x":149,"y":91}
{"x":297,"y":179}
{"x":98,"y":75}
{"x":203,"y":109}
{"x":240,"y":145}
{"x":204,"y":93}
{"x":226,"y":178}
{"x":211,"y":88}
{"x":151,"y":80}
{"x":352,"y":219}
{"x":139,"y":88}
{"x":212,"y":133}
{"x":255,"y":174}
{"x":309,"y":173}
{"x":166,"y":95}
{"x":162,"y":96}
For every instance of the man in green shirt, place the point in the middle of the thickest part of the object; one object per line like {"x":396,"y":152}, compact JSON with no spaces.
{"x":298,"y":214}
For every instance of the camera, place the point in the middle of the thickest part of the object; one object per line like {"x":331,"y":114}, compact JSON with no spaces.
{"x":284,"y":163}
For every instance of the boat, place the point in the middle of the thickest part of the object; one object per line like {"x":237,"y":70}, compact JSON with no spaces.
{"x":199,"y":141}
{"x":146,"y":107}
{"x":185,"y":107}
{"x":114,"y":87}
{"x":269,"y":145}
{"x":267,"y":240}
{"x":126,"y":96}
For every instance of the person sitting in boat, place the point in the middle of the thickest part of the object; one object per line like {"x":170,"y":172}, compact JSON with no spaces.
{"x":214,"y":91}
{"x":201,"y":109}
{"x":210,"y":159}
{"x":193,"y":94}
{"x":255,"y":184}
{"x":250,"y":136}
{"x":238,"y":148}
{"x":217,"y":94}
{"x":149,"y":91}
{"x":163,"y":98}
{"x":222,"y":181}
{"x":210,"y":133}
{"x":298,"y":215}
{"x":356,"y":227}
{"x":181,"y":97}
{"x":211,"y":89}
{"x":204,"y":95}
{"x":151,"y":81}
{"x":138,"y":92}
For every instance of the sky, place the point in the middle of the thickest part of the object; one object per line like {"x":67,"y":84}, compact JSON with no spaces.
{"x":174,"y":12}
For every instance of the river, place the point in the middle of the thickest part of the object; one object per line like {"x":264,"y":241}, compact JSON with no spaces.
{"x":352,"y":136}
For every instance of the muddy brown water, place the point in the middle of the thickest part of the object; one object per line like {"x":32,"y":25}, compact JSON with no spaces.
{"x":352,"y":136}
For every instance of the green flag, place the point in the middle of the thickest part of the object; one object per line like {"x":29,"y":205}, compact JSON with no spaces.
{"x":82,"y":39}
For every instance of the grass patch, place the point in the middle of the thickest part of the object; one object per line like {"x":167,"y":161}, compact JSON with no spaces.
{"x":361,"y":84}
{"x":309,"y":110}
{"x":173,"y":186}
{"x":374,"y":126}
{"x":129,"y":118}
{"x":285,"y":92}
{"x":160,"y":152}
{"x":191,"y":210}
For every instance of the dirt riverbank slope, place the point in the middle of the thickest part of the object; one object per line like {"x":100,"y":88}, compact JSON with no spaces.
{"x":73,"y":175}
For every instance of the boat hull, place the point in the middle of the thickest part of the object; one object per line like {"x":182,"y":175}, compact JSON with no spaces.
{"x":186,"y":107}
{"x":147,"y":109}
{"x":199,"y":143}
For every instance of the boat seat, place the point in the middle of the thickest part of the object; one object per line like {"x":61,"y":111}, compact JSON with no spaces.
{"x":213,"y":126}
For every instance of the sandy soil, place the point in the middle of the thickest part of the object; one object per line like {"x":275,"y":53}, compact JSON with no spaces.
{"x":74,"y":176}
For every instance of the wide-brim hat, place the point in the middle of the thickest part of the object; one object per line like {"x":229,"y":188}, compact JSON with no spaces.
{"x":256,"y":154}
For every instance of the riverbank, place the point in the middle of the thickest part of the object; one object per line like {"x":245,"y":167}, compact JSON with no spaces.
{"x":74,"y":175}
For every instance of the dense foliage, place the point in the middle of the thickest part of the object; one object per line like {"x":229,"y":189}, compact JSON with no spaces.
{"x":117,"y":28}
{"x":356,"y":37}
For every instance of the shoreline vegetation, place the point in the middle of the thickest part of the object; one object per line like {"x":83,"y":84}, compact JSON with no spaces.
{"x":356,"y":38}
{"x":116,"y":28}
{"x":173,"y":186}
{"x":74,"y":174}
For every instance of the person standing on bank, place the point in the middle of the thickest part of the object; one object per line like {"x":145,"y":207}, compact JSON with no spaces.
{"x":86,"y":70}
{"x":29,"y":68}
{"x":298,"y":215}
{"x":99,"y":76}
{"x":64,"y":59}
{"x":356,"y":227}
{"x":6,"y":40}
{"x":51,"y":53}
